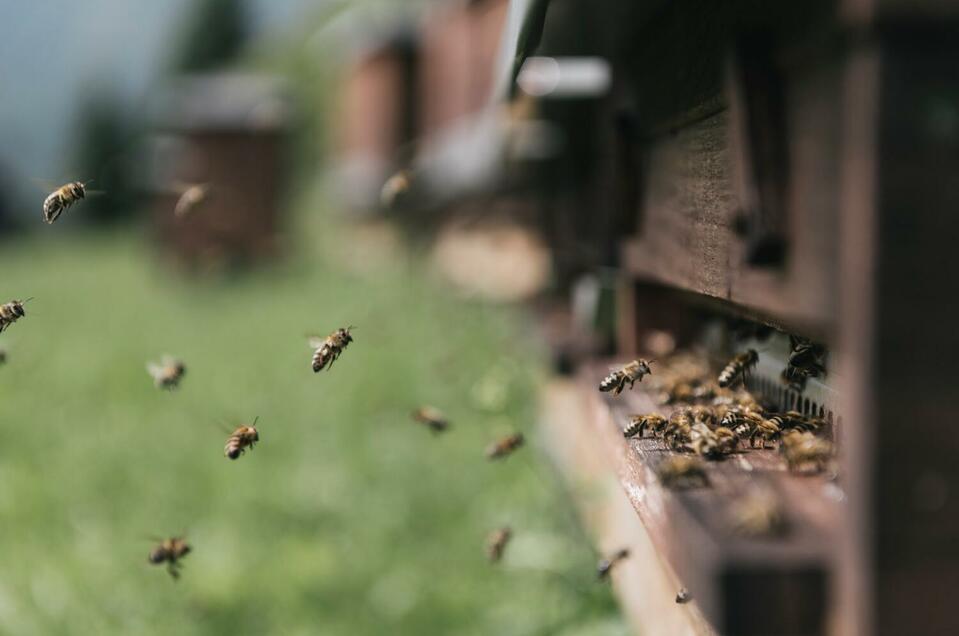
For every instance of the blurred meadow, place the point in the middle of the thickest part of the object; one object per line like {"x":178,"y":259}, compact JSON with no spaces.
{"x":347,"y":518}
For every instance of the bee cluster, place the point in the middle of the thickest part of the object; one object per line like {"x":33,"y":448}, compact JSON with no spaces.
{"x":714,"y":416}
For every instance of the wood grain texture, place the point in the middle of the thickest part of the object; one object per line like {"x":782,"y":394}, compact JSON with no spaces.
{"x":692,"y":194}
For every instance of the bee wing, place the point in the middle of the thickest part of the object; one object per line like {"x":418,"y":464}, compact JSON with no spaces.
{"x":154,"y":368}
{"x":45,"y":185}
{"x":224,"y":427}
{"x":315,"y":342}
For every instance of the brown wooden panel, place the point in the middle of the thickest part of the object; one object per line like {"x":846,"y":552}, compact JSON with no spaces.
{"x":690,"y":205}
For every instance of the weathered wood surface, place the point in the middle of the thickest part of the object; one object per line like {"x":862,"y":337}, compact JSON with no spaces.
{"x":744,"y":586}
{"x":693,"y":193}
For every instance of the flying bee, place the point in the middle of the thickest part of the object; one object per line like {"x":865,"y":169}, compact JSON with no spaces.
{"x":11,"y":312}
{"x":61,"y":199}
{"x":805,"y":451}
{"x":329,"y":349}
{"x":496,"y":543}
{"x":738,"y":367}
{"x":632,"y":372}
{"x":395,"y":187}
{"x":191,"y":197}
{"x":757,"y":514}
{"x":638,"y":424}
{"x":433,"y":418}
{"x":605,"y":566}
{"x":170,"y":551}
{"x":168,"y":373}
{"x":681,"y":472}
{"x":683,"y":596}
{"x":504,"y":446}
{"x":240,"y":439}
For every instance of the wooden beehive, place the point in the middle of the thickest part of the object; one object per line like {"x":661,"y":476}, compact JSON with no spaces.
{"x":226,"y":131}
{"x":787,"y":164}
{"x":376,"y":117}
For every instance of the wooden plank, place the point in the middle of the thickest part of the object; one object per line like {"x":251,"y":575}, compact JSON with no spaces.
{"x":899,"y":318}
{"x":645,"y":584}
{"x":791,"y":574}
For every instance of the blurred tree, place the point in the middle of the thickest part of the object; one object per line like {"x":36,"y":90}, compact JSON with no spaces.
{"x":213,"y":36}
{"x":104,"y":140}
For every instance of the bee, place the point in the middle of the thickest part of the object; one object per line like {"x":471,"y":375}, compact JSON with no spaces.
{"x":678,"y":429}
{"x":712,"y":444}
{"x":191,"y":197}
{"x":703,"y":414}
{"x":794,"y":420}
{"x":605,"y":566}
{"x":767,"y":429}
{"x":683,"y":596}
{"x":496,"y":543}
{"x":638,"y":424}
{"x":707,"y":391}
{"x":240,"y":439}
{"x":680,"y":473}
{"x":741,"y":421}
{"x":632,"y":372}
{"x":168,"y":373}
{"x":61,"y":199}
{"x":793,"y":378}
{"x":329,"y":349}
{"x":805,"y":451}
{"x":677,"y":393}
{"x":805,"y":361}
{"x":505,"y":446}
{"x":395,"y":187}
{"x":11,"y":312}
{"x":757,"y":514}
{"x":432,"y":418}
{"x":738,"y":367}
{"x":170,"y":551}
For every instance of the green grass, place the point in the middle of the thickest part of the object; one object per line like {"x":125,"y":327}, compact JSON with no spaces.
{"x":346,"y":519}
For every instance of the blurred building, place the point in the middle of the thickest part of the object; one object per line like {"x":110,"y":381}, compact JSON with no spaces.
{"x":225,"y":132}
{"x":423,"y":94}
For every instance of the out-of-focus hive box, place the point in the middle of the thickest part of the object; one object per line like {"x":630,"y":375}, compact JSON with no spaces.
{"x":226,"y":131}
{"x":375,"y":116}
{"x":458,"y":50}
{"x":407,"y":91}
